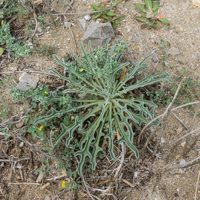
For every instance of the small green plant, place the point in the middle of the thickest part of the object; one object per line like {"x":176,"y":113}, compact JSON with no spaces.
{"x":159,"y":97}
{"x":190,"y":88}
{"x":108,"y":16}
{"x":148,"y":14}
{"x":4,"y":110}
{"x":47,"y":50}
{"x":164,"y":45}
{"x":96,"y":101}
{"x":17,"y":49}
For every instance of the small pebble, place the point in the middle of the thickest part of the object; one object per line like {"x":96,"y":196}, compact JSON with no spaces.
{"x":87,"y":17}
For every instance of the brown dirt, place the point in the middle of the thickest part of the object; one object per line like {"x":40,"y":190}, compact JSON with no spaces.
{"x":184,"y":34}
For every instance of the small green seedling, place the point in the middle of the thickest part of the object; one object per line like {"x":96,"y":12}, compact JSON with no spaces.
{"x":108,"y":16}
{"x":148,"y":14}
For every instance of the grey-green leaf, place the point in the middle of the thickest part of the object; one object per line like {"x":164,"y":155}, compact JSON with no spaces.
{"x":148,"y":4}
{"x":109,"y":13}
{"x":155,"y":5}
{"x":140,"y":7}
{"x":164,"y":21}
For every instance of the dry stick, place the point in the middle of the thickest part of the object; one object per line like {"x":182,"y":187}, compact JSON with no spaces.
{"x":166,"y":114}
{"x":83,"y":13}
{"x":18,"y":160}
{"x":147,"y":125}
{"x":70,"y":5}
{"x":4,"y":123}
{"x":177,"y":142}
{"x":185,"y":151}
{"x":128,"y":183}
{"x":36,"y":25}
{"x":30,"y":145}
{"x":122,"y":160}
{"x":197,"y":186}
{"x":1,"y":63}
{"x":87,"y":188}
{"x":41,"y":72}
{"x":23,"y":183}
{"x":104,"y":191}
{"x":185,"y":136}
{"x":179,"y":120}
{"x":184,"y":105}
{"x":163,"y":115}
{"x":55,"y":178}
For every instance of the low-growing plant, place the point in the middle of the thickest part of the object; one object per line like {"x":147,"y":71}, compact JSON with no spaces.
{"x":148,"y":14}
{"x":16,"y":49}
{"x":96,"y":101}
{"x":108,"y":16}
{"x":7,"y":10}
{"x":47,"y":50}
{"x":4,"y":110}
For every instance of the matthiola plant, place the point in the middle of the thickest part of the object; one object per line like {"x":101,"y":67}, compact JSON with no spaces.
{"x":98,"y":100}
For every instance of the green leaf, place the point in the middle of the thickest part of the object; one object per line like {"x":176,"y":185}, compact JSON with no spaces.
{"x":1,"y":51}
{"x":141,"y":19}
{"x":155,"y":5}
{"x":117,"y":22}
{"x":148,"y":80}
{"x":114,"y":25}
{"x":164,"y":21}
{"x":148,"y":4}
{"x":127,"y":138}
{"x":96,"y":15}
{"x":110,"y":134}
{"x":106,"y":18}
{"x":143,"y":15}
{"x":95,"y":7}
{"x":121,"y":18}
{"x":155,"y":11}
{"x":140,"y":7}
{"x":109,"y":13}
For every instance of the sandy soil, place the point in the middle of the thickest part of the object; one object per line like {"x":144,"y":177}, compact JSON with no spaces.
{"x":184,"y":34}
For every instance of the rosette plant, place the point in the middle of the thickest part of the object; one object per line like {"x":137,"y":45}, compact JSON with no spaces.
{"x":98,"y":100}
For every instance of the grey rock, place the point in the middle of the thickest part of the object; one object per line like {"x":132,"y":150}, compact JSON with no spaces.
{"x":152,"y":129}
{"x":82,"y":23}
{"x":87,"y":17}
{"x":181,"y":61}
{"x":182,"y":162}
{"x":26,"y":81}
{"x":47,"y":198}
{"x":166,"y":64}
{"x":67,"y":24}
{"x":98,"y":33}
{"x":155,"y":60}
{"x":136,"y":39}
{"x":39,"y":29}
{"x":172,"y":51}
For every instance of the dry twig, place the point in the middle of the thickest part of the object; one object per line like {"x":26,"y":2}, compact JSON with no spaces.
{"x":197,"y":186}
